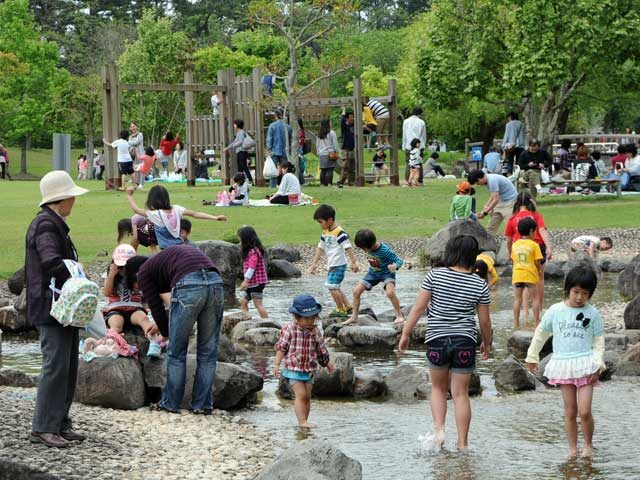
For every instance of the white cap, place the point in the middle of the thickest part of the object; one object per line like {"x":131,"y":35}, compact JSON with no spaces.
{"x":58,"y":185}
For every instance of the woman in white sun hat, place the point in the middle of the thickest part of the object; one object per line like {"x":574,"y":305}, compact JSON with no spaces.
{"x":47,"y":245}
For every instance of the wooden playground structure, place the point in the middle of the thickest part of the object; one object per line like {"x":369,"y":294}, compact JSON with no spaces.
{"x":243,"y":98}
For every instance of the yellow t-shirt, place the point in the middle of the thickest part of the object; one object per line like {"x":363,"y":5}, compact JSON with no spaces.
{"x":524,"y":254}
{"x":493,"y":275}
{"x":367,"y":117}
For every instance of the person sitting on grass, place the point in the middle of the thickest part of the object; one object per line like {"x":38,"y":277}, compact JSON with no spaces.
{"x":432,"y":165}
{"x":289,"y":188}
{"x":463,"y":205}
{"x":334,"y":241}
{"x":591,"y":245}
{"x":383,"y":263}
{"x":301,"y":346}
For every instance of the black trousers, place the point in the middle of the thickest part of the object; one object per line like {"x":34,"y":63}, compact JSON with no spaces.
{"x":243,"y":164}
{"x":326,"y":176}
{"x":280,"y":199}
{"x":58,"y":377}
{"x":3,"y":166}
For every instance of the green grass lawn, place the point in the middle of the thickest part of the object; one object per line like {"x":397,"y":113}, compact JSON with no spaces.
{"x":392,"y":213}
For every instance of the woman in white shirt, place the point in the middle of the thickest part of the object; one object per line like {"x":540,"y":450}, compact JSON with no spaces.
{"x":289,"y":190}
{"x":180,"y":158}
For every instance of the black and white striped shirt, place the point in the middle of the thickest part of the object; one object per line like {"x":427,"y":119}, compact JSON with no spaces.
{"x":454,"y":298}
{"x":378,"y":109}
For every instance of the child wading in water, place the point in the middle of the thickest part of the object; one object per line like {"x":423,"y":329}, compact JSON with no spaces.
{"x":527,"y":266}
{"x":578,"y":349}
{"x":302,"y":347}
{"x":452,"y":296}
{"x":334,"y":242}
{"x":166,"y":217}
{"x":383,"y":263}
{"x":255,"y":270}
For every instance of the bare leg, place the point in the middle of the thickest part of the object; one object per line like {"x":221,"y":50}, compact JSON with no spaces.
{"x":357,"y":293}
{"x":535,"y":300}
{"x":390,"y":290}
{"x":123,"y":182}
{"x":141,"y":320}
{"x":460,"y":394}
{"x":570,"y":412}
{"x":345,"y":300}
{"x":585,"y":396}
{"x":541,"y":288}
{"x":116,"y":323}
{"x":525,"y":304}
{"x":439,"y":393}
{"x":244,"y":304}
{"x":257,"y":302}
{"x":302,"y":405}
{"x":517,"y":302}
{"x":338,"y":297}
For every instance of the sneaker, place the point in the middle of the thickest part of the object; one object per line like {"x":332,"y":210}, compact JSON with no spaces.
{"x":154,"y":350}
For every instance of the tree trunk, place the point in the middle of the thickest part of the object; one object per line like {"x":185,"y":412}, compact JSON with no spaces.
{"x":26,"y":145}
{"x":292,"y":96}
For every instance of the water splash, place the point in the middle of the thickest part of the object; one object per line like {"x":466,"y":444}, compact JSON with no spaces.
{"x":432,"y":442}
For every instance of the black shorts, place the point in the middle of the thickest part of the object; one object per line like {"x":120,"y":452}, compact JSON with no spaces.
{"x":124,"y":314}
{"x":253,"y":292}
{"x":125,"y":168}
{"x":457,"y":354}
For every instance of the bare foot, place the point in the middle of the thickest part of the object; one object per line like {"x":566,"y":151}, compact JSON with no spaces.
{"x":399,"y":320}
{"x":573,"y":453}
{"x":349,"y":322}
{"x":587,"y":451}
{"x":462,"y":448}
{"x":307,"y":425}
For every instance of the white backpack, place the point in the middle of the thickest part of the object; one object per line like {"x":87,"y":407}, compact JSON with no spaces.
{"x":77,"y":301}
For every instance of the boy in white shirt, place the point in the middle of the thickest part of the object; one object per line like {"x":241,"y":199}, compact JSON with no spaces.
{"x":125,"y":162}
{"x":591,"y":245}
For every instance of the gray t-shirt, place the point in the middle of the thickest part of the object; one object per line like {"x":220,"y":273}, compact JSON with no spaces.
{"x":502,"y":185}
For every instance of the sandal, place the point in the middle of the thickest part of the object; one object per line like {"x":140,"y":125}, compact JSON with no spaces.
{"x":156,"y":407}
{"x":203,"y":411}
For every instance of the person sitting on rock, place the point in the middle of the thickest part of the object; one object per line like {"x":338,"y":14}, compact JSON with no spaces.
{"x":591,"y":245}
{"x":125,"y":301}
{"x":301,"y":346}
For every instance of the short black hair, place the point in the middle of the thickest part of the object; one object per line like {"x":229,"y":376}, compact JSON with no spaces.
{"x":474,"y":176}
{"x":415,"y":142}
{"x":239,"y":178}
{"x":124,"y":134}
{"x":416,"y":111}
{"x":527,"y":226}
{"x":608,"y":240}
{"x":481,"y":269}
{"x":239,"y":123}
{"x":158,"y":198}
{"x":324,"y":212}
{"x":461,"y":251}
{"x":149,"y":151}
{"x":581,"y":276}
{"x":131,"y":269}
{"x":524,"y":199}
{"x":435,"y":155}
{"x":622,"y":148}
{"x":289,"y":166}
{"x":124,"y":228}
{"x":185,"y":224}
{"x":596,"y":155}
{"x":365,"y":238}
{"x":513,"y":115}
{"x":632,"y":149}
{"x":348,"y":112}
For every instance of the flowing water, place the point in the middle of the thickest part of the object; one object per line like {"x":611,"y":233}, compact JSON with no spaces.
{"x":512,"y":436}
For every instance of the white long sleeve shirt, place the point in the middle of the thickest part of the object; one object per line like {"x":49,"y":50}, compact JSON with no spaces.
{"x":413,"y":127}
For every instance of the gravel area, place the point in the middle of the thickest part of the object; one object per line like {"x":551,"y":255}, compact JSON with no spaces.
{"x":137,"y":444}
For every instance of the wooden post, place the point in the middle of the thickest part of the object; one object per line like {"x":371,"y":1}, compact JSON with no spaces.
{"x":259,"y":133}
{"x":229,"y":163}
{"x":359,"y":137}
{"x":111,"y":124}
{"x":466,"y":149}
{"x":394,"y":178}
{"x":188,"y":115}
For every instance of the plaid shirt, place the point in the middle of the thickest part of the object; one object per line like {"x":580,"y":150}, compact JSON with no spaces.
{"x":304,"y":349}
{"x":255,"y":261}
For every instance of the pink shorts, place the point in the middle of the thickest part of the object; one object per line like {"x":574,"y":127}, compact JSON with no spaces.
{"x":576,"y":382}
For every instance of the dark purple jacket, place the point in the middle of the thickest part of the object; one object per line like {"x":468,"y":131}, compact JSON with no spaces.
{"x":47,"y":245}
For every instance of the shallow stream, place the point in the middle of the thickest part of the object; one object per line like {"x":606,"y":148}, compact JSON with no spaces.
{"x":512,"y":436}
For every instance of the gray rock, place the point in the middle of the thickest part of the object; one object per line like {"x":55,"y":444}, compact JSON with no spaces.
{"x":243,"y":327}
{"x":5,"y":302}
{"x":369,"y":383}
{"x":389,"y":316}
{"x":519,"y":342}
{"x":226,"y":258}
{"x":553,"y":270}
{"x":111,"y":383}
{"x":434,"y":251}
{"x":283,"y":269}
{"x":508,"y":270}
{"x":312,"y":460}
{"x":284,"y":251}
{"x":10,"y":377}
{"x":615,"y":341}
{"x":332,"y":330}
{"x":612,"y":265}
{"x":502,"y":256}
{"x":368,"y":338}
{"x":541,"y":367}
{"x":136,"y":338}
{"x":511,"y":376}
{"x":406,"y":382}
{"x":326,"y":320}
{"x":475,"y":386}
{"x":13,"y":321}
{"x":16,"y":471}
{"x":633,"y":336}
{"x":368,"y":312}
{"x":226,"y":348}
{"x":340,"y":383}
{"x":632,"y":314}
{"x":20,"y":303}
{"x":16,"y":282}
{"x":581,"y":259}
{"x":416,"y":339}
{"x":261,"y":336}
{"x":629,"y":279}
{"x":231,"y":320}
{"x":611,"y":360}
{"x":629,"y":364}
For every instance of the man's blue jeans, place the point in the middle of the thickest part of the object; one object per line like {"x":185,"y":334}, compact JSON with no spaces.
{"x":277,"y":159}
{"x":197,"y":298}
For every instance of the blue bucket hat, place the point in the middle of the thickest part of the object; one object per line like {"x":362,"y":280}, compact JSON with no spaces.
{"x":305,"y":306}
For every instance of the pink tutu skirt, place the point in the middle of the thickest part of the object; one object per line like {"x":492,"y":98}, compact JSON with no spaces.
{"x":576,"y":382}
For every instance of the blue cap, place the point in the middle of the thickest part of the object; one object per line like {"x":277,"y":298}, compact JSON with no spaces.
{"x":305,"y":306}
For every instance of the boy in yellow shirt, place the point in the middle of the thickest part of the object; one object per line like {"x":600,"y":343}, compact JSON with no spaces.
{"x":527,"y":264}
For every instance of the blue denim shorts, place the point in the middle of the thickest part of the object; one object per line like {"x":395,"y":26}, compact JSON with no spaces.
{"x":457,"y":354}
{"x":372,"y":279}
{"x":335,"y":276}
{"x":295,"y":377}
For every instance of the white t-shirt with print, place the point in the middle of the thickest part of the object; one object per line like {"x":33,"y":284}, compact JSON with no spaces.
{"x":167,"y":219}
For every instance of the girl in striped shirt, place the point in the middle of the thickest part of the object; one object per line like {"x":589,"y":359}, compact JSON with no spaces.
{"x":452,"y":296}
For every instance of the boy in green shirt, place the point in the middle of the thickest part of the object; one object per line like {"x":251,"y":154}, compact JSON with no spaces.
{"x":463,"y":205}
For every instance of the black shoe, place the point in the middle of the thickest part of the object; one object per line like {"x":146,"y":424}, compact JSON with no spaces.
{"x":49,"y":439}
{"x":156,"y":407}
{"x":72,"y":436}
{"x":202,"y":411}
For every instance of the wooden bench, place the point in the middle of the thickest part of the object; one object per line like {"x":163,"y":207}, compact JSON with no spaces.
{"x":589,"y":183}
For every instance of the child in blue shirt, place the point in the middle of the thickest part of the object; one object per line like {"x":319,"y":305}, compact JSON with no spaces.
{"x":578,"y":350}
{"x":383,"y":263}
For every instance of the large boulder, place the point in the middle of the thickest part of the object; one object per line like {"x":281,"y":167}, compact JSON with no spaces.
{"x":581,"y":259}
{"x":612,"y":265}
{"x":283,"y":269}
{"x":17,"y":471}
{"x":368,"y":338}
{"x":340,"y":383}
{"x":231,"y":320}
{"x":241,"y":328}
{"x":632,"y":314}
{"x":406,"y":382}
{"x":629,"y":364}
{"x":261,"y":336}
{"x":418,"y":334}
{"x":389,"y":316}
{"x":611,"y":360}
{"x":226,"y":258}
{"x":13,"y":321}
{"x":10,"y":377}
{"x":553,"y":270}
{"x":369,"y":383}
{"x":312,"y":460}
{"x":629,"y":279}
{"x":16,"y":282}
{"x":111,"y":383}
{"x":434,"y":251}
{"x":502,"y":256}
{"x":519,"y":342}
{"x":511,"y":376}
{"x":615,"y":342}
{"x":284,"y":251}
{"x":226,"y":348}
{"x":633,"y":336}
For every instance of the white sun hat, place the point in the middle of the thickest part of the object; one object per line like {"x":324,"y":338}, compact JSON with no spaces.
{"x":58,"y":185}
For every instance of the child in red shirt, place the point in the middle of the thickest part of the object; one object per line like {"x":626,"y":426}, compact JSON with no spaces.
{"x":146,"y":164}
{"x":166,"y":148}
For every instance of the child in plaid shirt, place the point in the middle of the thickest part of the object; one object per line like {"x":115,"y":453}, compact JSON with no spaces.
{"x":255,"y":271}
{"x":302,"y":347}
